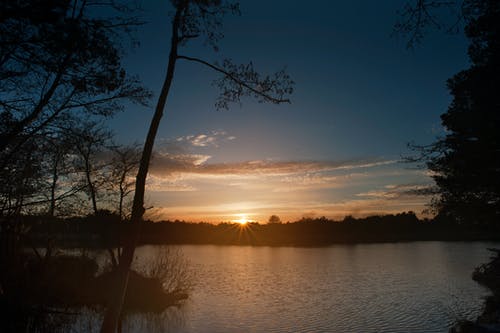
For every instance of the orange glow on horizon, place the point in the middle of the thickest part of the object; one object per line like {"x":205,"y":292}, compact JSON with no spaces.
{"x":243,"y":219}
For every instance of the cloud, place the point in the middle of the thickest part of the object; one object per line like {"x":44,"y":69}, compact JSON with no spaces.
{"x":180,"y":155}
{"x":379,"y":194}
{"x":167,"y":164}
{"x":279,"y":168}
{"x":200,"y":140}
{"x":316,"y":181}
{"x":188,"y":142}
{"x":262,"y":175}
{"x":398,"y":191}
{"x":158,"y":184}
{"x":264,"y":179}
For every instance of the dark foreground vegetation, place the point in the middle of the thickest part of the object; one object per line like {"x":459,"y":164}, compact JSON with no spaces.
{"x":487,"y":275}
{"x":465,"y":163}
{"x":105,"y":231}
{"x":46,"y":293}
{"x":46,"y":289}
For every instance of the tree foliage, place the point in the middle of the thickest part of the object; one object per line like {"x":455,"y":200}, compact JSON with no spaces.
{"x":60,"y":66}
{"x":419,"y":16}
{"x":57,"y":60}
{"x":465,"y":163}
{"x":274,"y":219}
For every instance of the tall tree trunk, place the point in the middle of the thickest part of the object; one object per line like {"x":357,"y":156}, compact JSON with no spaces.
{"x":114,"y":309}
{"x":53,"y":186}
{"x":90,"y":184}
{"x":122,"y":194}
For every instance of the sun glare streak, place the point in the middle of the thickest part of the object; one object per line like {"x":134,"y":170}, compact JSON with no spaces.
{"x":244,"y":228}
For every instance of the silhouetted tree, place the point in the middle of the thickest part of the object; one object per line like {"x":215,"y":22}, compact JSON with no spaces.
{"x":59,"y":59}
{"x":21,"y":182}
{"x":124,"y":164}
{"x":59,"y":62}
{"x":59,"y":164}
{"x":418,"y":16}
{"x":89,"y":140}
{"x":274,"y":219}
{"x":466,"y":162}
{"x":192,"y":19}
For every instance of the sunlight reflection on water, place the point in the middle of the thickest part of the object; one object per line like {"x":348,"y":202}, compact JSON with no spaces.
{"x":402,"y":287}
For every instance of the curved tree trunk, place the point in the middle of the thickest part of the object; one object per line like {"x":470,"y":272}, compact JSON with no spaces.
{"x":114,"y":309}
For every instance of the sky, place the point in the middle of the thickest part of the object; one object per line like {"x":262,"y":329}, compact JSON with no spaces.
{"x":360,"y":97}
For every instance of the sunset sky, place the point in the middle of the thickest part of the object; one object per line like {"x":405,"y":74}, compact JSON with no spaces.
{"x":360,"y":97}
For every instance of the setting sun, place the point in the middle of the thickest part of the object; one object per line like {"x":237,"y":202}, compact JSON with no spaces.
{"x":243,"y":219}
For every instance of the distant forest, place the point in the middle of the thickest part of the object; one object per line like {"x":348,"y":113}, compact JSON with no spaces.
{"x":107,"y":230}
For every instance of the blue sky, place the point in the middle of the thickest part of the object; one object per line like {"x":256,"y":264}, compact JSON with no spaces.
{"x":360,"y":97}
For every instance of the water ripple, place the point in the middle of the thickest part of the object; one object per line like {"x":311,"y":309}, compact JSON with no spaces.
{"x":408,"y":287}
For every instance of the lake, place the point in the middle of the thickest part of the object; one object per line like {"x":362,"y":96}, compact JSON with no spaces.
{"x":391,"y":287}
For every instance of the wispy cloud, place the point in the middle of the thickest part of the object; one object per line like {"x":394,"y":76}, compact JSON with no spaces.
{"x":200,"y":140}
{"x":159,"y":184}
{"x":398,"y":191}
{"x":166,"y":164}
{"x":263,"y":175}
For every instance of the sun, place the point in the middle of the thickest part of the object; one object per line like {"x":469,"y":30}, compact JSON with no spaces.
{"x":243,"y":219}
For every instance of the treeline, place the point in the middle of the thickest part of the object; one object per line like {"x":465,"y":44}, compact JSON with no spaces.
{"x":107,"y":230}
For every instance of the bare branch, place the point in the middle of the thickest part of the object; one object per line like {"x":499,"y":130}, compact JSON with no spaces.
{"x":244,"y":80}
{"x":416,"y":18}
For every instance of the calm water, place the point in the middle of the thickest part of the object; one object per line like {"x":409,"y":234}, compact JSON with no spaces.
{"x":407,"y":287}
